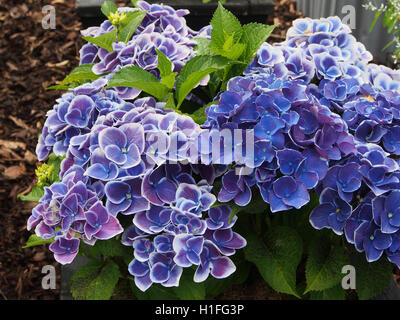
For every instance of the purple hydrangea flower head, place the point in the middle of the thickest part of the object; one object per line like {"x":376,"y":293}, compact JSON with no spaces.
{"x":332,"y":213}
{"x":65,"y":250}
{"x":386,"y":212}
{"x":370,"y":239}
{"x":287,"y":193}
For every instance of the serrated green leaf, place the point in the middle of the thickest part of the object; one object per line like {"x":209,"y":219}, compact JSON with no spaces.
{"x":108,"y":7}
{"x":233,"y":52}
{"x":81,"y":279}
{"x":104,"y":41}
{"x":136,"y":77}
{"x":194,"y":71}
{"x":224,"y":25}
{"x":102,"y":287}
{"x":166,"y":70}
{"x":254,"y":35}
{"x":35,"y":194}
{"x":277,"y":257}
{"x":189,"y":290}
{"x":334,"y":293}
{"x":203,"y":47}
{"x":34,"y":241}
{"x":324,"y":264}
{"x":132,"y":21}
{"x":371,"y":277}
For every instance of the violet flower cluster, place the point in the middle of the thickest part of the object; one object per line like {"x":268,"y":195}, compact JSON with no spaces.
{"x":163,"y":28}
{"x":323,"y":120}
{"x":326,"y":120}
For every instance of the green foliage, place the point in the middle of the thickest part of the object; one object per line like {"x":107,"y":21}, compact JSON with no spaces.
{"x":155,"y":292}
{"x":334,"y":293}
{"x":80,"y":281}
{"x":254,"y":35}
{"x":277,"y":257}
{"x":165,"y":67}
{"x":102,"y":286}
{"x":136,"y":77}
{"x":371,"y":278}
{"x":46,"y":175}
{"x":130,"y":24}
{"x":324,"y":264}
{"x":34,"y":241}
{"x":108,"y":7}
{"x":226,"y":34}
{"x":391,"y":17}
{"x":79,"y":75}
{"x":189,"y":290}
{"x":34,"y":195}
{"x":194,"y":71}
{"x":104,"y":41}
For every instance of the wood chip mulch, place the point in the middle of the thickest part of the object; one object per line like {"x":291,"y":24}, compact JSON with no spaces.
{"x":32,"y":58}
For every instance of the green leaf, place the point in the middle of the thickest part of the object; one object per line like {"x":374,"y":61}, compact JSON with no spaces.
{"x":203,"y":47}
{"x":334,"y":293}
{"x":371,"y":277}
{"x":111,"y":248}
{"x":199,"y":116}
{"x":277,"y":258}
{"x":165,"y":67}
{"x":55,"y":161}
{"x":215,"y":287}
{"x":104,"y":41}
{"x":155,"y":292}
{"x":79,"y":75}
{"x":189,"y":290}
{"x":377,"y":15}
{"x":58,"y":87}
{"x":102,"y":287}
{"x":324,"y":264}
{"x":81,"y":279}
{"x":226,"y":29}
{"x":108,"y":7}
{"x":131,"y":22}
{"x":35,"y":194}
{"x":194,"y":71}
{"x":34,"y":241}
{"x":254,"y":35}
{"x":136,"y":77}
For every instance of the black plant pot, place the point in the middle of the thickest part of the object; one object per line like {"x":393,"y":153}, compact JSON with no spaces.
{"x":200,"y":13}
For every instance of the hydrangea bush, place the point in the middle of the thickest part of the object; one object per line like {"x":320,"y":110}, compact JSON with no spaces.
{"x":145,"y":179}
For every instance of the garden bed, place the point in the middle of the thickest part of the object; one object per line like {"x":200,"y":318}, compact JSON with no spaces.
{"x":32,"y":59}
{"x":22,"y":119}
{"x":25,"y":49}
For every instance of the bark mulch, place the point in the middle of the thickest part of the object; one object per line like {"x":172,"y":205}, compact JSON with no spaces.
{"x":31,"y":59}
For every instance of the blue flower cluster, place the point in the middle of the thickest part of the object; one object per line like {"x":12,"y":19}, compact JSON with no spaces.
{"x":71,"y":211}
{"x":324,"y":119}
{"x":74,"y":115}
{"x":163,"y":28}
{"x":186,"y":232}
